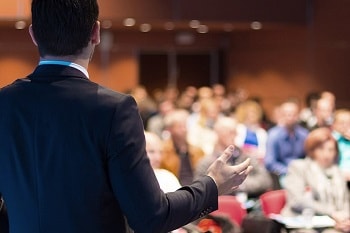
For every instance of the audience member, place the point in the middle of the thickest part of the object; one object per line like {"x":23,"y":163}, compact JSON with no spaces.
{"x":200,"y":126}
{"x":341,"y":132}
{"x":237,"y":96}
{"x":179,"y":156}
{"x":203,"y":93}
{"x":171,"y":93}
{"x":168,"y":182}
{"x":258,"y":180}
{"x":219,"y":95}
{"x":155,"y":123}
{"x":285,"y":141}
{"x":319,"y":175}
{"x":251,"y":136}
{"x":330,"y":97}
{"x":146,"y":105}
{"x":323,"y":111}
{"x":187,"y":98}
{"x":307,"y":114}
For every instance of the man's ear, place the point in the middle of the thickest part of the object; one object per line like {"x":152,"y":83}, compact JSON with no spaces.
{"x":95,"y":34}
{"x":31,"y":33}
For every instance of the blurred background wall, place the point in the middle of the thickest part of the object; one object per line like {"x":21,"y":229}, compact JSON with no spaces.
{"x":273,"y":49}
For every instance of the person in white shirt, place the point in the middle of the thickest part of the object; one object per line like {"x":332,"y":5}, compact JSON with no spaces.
{"x":168,"y":182}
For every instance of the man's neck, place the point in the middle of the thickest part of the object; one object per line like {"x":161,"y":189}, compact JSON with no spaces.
{"x":75,"y":63}
{"x":82,"y":62}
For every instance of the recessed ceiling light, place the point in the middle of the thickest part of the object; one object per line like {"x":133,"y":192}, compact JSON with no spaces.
{"x":184,"y":38}
{"x":202,"y":29}
{"x":256,"y":25}
{"x":169,"y":26}
{"x":194,"y":23}
{"x":129,"y":22}
{"x":20,"y":24}
{"x":145,"y":27}
{"x":106,"y":24}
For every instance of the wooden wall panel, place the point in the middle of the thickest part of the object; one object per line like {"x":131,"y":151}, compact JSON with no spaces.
{"x":14,"y":9}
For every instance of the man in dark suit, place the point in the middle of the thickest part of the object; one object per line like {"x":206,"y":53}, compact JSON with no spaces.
{"x":72,"y":153}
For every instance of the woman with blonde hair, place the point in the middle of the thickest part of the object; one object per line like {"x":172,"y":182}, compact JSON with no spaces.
{"x":200,"y":127}
{"x":251,"y":137}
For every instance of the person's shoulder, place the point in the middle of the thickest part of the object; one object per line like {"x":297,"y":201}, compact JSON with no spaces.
{"x":301,"y":130}
{"x":275,"y":131}
{"x":195,"y":150}
{"x":13,"y":88}
{"x":14,"y":84}
{"x":300,"y":164}
{"x":108,"y":95}
{"x":102,"y":90}
{"x":275,"y":128}
{"x":261,"y":131}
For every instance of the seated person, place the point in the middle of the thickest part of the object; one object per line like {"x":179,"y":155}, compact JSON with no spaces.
{"x":167,"y":180}
{"x":258,"y":180}
{"x":341,"y":132}
{"x":179,"y":156}
{"x":319,"y":174}
{"x":285,"y":141}
{"x":251,"y":136}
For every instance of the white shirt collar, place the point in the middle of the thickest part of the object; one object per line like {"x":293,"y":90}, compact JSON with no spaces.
{"x":65,"y":63}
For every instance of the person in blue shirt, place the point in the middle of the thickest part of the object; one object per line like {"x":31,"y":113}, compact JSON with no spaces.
{"x":285,"y":141}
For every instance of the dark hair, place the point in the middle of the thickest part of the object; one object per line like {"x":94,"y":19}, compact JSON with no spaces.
{"x":63,"y":27}
{"x":310,"y":97}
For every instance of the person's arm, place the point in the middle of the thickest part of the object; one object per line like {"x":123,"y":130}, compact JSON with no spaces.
{"x":271,"y":162}
{"x":228,"y":177}
{"x":145,"y":206}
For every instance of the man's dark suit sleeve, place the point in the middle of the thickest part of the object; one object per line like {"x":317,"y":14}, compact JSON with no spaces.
{"x":135,"y":186}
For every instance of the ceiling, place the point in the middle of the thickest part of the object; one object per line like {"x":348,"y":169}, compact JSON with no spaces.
{"x":202,"y":15}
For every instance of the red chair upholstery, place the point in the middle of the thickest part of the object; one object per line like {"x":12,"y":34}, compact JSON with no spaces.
{"x":230,"y":207}
{"x":272,"y":201}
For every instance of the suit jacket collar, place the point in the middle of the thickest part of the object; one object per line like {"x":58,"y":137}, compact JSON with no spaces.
{"x":55,"y":72}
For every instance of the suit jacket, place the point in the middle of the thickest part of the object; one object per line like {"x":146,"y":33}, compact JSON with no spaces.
{"x":72,"y":159}
{"x":4,"y":225}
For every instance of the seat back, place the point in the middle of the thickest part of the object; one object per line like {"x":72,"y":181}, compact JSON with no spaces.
{"x":231,"y":208}
{"x":272,"y":202}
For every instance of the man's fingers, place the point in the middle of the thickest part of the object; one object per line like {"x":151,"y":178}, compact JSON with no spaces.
{"x":242,"y":167}
{"x":246,"y":171}
{"x":228,"y":152}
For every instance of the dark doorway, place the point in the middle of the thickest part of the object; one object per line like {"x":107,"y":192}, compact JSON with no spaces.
{"x":181,"y":69}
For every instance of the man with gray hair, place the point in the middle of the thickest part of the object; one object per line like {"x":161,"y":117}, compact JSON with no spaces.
{"x":258,"y":180}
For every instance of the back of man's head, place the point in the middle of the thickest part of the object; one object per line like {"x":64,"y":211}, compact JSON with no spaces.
{"x":63,"y":27}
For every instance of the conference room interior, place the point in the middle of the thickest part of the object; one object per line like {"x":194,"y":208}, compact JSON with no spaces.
{"x":271,"y":49}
